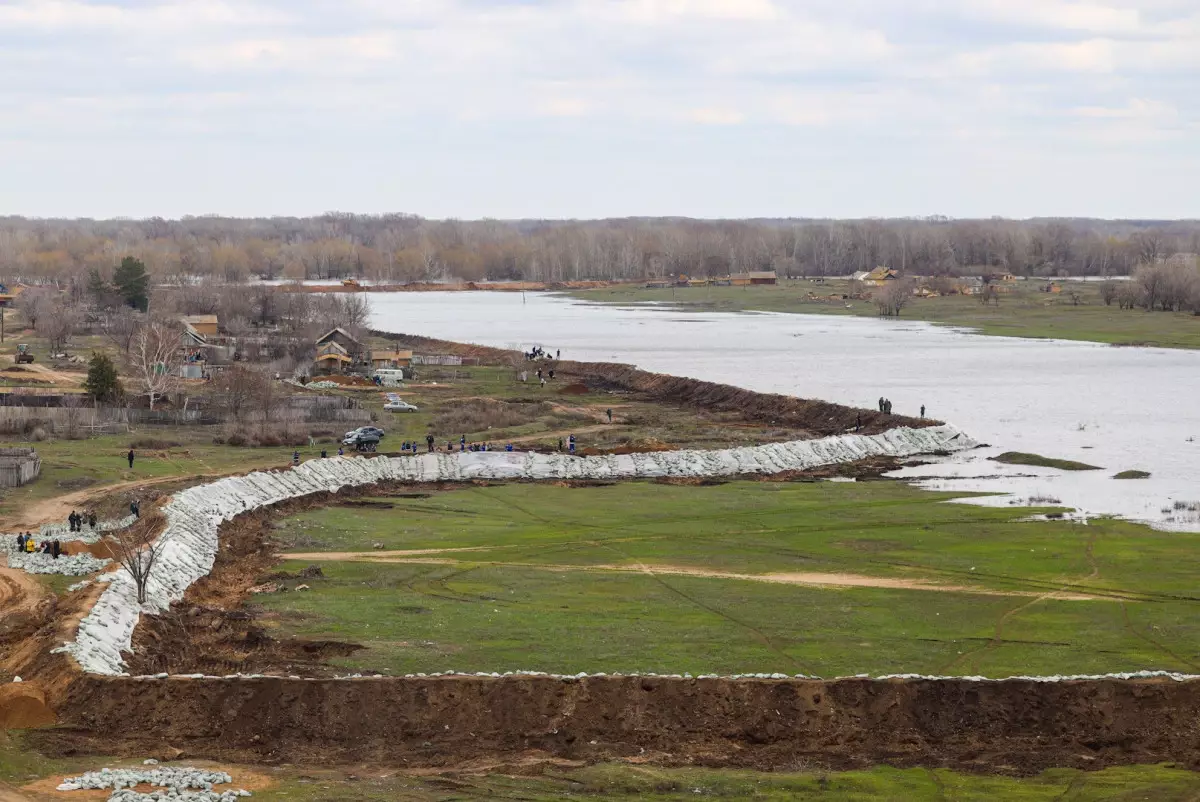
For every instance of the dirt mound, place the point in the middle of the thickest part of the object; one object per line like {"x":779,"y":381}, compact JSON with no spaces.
{"x":1014,"y":727}
{"x":23,"y":707}
{"x":820,"y":418}
{"x":347,"y":381}
{"x":574,"y":389}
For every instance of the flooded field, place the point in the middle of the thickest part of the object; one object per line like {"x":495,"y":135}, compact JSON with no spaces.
{"x":1117,"y":408}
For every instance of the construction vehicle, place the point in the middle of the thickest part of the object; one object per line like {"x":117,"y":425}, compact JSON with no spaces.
{"x":352,"y":283}
{"x":24,"y":357}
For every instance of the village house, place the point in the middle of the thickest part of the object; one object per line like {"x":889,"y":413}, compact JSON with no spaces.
{"x":204,"y":325}
{"x":390,"y":360}
{"x":338,"y":351}
{"x":877,"y":277}
{"x":753,"y":278}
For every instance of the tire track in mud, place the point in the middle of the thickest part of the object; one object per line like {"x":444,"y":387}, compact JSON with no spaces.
{"x":998,"y":636}
{"x":761,"y":636}
{"x":1156,"y":644}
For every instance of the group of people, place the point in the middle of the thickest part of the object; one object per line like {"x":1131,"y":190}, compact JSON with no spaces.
{"x":885,"y":406}
{"x":537,"y":352}
{"x":76,"y":520}
{"x":28,"y":544}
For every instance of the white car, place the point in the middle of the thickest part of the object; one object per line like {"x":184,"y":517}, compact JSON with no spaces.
{"x":399,"y":406}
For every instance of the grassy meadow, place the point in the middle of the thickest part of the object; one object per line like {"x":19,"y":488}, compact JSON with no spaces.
{"x":1023,"y":312}
{"x":864,"y":578}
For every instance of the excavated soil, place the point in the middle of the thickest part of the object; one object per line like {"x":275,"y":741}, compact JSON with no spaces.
{"x":1016,"y":727}
{"x":818,"y":418}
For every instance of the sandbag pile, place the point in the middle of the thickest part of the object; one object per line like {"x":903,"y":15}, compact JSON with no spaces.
{"x":189,"y":541}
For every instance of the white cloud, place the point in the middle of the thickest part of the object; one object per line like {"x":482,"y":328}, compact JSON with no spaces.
{"x":925,"y":71}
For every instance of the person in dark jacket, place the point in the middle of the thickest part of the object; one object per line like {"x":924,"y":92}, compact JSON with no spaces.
{"x":129,"y":456}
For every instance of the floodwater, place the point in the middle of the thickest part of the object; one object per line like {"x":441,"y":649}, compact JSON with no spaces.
{"x":1117,"y":408}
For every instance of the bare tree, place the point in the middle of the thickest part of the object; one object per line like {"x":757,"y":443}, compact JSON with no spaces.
{"x":155,"y":358}
{"x":58,"y":324}
{"x":34,"y":304}
{"x":268,"y":399}
{"x":237,"y":388}
{"x":122,"y":325}
{"x":355,"y":311}
{"x":892,"y":297}
{"x":1108,"y":292}
{"x":137,"y":556}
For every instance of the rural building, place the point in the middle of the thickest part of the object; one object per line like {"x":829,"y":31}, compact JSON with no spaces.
{"x":204,"y":325}
{"x":349,"y":345}
{"x":381,"y":360}
{"x":19,"y":466}
{"x":877,"y":277}
{"x":331,"y":358}
{"x":754,"y":277}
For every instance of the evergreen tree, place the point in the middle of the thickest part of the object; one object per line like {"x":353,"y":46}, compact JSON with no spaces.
{"x":102,"y":382}
{"x":133,"y":283}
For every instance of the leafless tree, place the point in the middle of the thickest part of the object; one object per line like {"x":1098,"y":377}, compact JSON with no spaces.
{"x":122,"y":325}
{"x":1108,"y":292}
{"x":34,"y":303}
{"x":268,"y":398}
{"x":137,"y":556}
{"x":58,"y":324}
{"x":155,"y":358}
{"x":237,"y":388}
{"x":893,"y":296}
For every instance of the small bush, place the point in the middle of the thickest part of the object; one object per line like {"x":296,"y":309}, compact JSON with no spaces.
{"x":153,"y":444}
{"x":481,"y":414}
{"x":38,"y":435}
{"x":237,"y":439}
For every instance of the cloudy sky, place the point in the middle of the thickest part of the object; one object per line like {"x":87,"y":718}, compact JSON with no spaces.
{"x":588,"y":108}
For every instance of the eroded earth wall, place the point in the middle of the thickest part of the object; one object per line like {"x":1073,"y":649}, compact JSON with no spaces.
{"x":1009,"y":726}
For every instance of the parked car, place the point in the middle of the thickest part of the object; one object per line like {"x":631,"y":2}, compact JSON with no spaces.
{"x":372,"y":431}
{"x":365,"y":439}
{"x":399,"y":406}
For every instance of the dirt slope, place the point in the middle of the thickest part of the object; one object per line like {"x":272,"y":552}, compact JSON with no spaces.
{"x":1016,"y":727}
{"x":820,"y":418}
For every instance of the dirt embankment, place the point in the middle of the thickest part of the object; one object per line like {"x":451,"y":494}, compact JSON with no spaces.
{"x":1017,"y":727}
{"x":820,"y":418}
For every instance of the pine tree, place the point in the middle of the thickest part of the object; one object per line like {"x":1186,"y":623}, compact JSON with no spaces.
{"x":102,"y":382}
{"x":133,"y":283}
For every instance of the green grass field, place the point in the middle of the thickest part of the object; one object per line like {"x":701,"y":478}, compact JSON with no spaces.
{"x":1025,"y":312}
{"x":21,"y":765}
{"x":558,"y":582}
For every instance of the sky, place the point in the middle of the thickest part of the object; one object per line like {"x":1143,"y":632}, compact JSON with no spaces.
{"x":600,"y":108}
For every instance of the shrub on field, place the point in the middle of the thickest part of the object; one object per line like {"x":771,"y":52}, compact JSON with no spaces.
{"x":237,"y":439}
{"x":481,"y":414}
{"x":153,"y":444}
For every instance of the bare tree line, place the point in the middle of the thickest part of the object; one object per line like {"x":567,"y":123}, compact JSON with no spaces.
{"x":408,"y":248}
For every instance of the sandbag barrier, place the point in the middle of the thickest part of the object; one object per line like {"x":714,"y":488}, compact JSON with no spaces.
{"x":189,"y":541}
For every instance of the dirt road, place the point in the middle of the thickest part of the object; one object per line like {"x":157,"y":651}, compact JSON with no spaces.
{"x":813,"y":579}
{"x":18,"y":590}
{"x":56,"y":510}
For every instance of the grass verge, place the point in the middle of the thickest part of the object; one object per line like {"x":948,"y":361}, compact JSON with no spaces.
{"x":1036,"y":460}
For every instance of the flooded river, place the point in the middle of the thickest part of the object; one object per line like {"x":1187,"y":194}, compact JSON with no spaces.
{"x":1119,"y":408}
